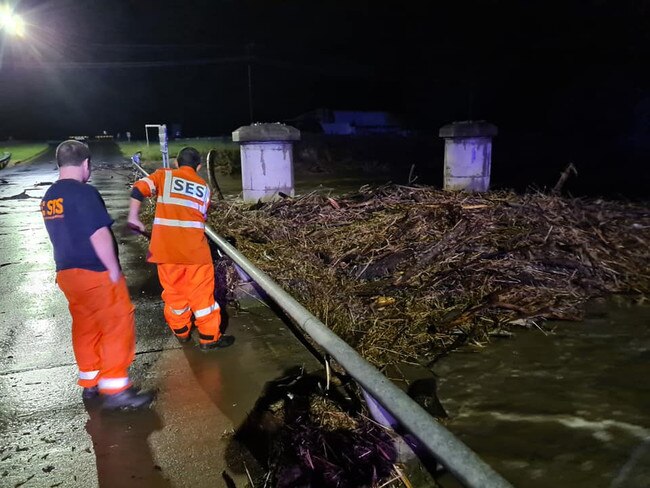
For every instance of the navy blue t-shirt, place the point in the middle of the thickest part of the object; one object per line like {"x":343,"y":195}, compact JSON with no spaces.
{"x":73,"y":211}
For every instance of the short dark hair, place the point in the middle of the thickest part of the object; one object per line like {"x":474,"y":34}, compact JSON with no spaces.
{"x":71,"y":153}
{"x":188,"y":156}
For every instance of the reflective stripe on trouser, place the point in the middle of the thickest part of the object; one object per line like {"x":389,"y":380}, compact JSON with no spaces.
{"x":88,"y":377}
{"x":190,"y":288}
{"x":103,"y":327}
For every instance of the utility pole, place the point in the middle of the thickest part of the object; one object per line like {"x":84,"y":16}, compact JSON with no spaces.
{"x":470,"y":102}
{"x":250,"y":82}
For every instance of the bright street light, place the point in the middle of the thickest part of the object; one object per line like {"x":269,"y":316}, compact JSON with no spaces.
{"x":11,"y":22}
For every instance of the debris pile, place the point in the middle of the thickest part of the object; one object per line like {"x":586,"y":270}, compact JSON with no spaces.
{"x":405,"y":274}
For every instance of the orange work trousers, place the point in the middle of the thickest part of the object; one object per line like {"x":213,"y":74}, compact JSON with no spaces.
{"x":189,"y":289}
{"x":103,"y":328}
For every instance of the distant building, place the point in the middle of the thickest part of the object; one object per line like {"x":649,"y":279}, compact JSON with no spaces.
{"x":347,"y":122}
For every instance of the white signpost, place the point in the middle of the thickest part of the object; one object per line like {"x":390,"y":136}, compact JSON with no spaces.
{"x":162,"y":137}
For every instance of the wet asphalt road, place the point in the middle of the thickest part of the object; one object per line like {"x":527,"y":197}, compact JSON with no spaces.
{"x":48,"y":437}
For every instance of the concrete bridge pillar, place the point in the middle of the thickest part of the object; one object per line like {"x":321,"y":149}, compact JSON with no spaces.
{"x":266,"y":160}
{"x":468,"y":155}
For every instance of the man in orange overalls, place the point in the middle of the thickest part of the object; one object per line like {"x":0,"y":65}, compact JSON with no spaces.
{"x":180,"y":249}
{"x":90,"y":276}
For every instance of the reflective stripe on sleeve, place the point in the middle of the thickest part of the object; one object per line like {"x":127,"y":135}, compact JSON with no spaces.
{"x":206,"y":311}
{"x":113,"y":383}
{"x":88,"y":375}
{"x":152,"y":187}
{"x":178,"y":223}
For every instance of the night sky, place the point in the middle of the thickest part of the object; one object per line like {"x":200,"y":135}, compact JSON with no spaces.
{"x":569,"y":69}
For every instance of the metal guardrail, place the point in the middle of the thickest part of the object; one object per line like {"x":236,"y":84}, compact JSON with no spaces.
{"x":455,"y":456}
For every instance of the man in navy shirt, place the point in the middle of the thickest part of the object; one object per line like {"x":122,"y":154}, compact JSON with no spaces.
{"x":89,"y":274}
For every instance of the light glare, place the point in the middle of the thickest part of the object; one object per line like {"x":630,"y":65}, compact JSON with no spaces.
{"x":12,"y":23}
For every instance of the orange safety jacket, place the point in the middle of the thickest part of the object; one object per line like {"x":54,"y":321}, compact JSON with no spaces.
{"x":182,"y":200}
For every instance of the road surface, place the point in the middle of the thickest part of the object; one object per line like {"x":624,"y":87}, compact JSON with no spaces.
{"x":48,"y":437}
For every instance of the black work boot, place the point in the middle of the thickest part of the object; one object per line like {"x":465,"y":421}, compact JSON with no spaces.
{"x":127,"y":399}
{"x":183,"y":334}
{"x":183,"y":340}
{"x":224,"y":341}
{"x":90,"y":393}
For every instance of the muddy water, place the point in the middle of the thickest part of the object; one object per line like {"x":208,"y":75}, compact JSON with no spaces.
{"x":569,"y":408}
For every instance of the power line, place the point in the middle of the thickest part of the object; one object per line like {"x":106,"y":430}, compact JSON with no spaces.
{"x":342,"y":71}
{"x":126,"y":64}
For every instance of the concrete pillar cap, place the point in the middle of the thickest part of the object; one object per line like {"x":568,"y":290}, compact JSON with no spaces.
{"x":468,"y":128}
{"x":263,"y":132}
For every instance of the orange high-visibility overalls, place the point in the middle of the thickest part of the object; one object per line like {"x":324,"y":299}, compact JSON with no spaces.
{"x":103,"y":328}
{"x":180,"y":249}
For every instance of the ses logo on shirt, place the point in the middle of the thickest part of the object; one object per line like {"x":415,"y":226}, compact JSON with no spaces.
{"x":52,"y":209}
{"x":188,"y":188}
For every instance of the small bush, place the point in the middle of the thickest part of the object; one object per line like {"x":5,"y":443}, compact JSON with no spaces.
{"x":227,"y":160}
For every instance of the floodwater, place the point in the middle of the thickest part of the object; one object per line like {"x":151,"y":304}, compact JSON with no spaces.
{"x":566,"y":408}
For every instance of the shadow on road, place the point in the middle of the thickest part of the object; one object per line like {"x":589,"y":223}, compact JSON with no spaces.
{"x":120,"y":442}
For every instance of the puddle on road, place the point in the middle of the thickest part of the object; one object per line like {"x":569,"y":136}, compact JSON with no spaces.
{"x":20,"y":196}
{"x":567,"y":409}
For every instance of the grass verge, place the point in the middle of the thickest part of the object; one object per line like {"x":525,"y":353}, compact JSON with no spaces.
{"x":21,"y":151}
{"x":152,"y":152}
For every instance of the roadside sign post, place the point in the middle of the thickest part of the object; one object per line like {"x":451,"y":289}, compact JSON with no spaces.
{"x":162,"y":137}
